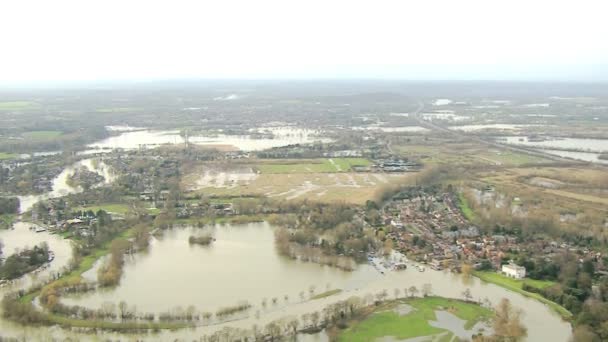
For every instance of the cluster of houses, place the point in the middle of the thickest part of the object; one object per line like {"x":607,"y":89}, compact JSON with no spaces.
{"x":430,"y":228}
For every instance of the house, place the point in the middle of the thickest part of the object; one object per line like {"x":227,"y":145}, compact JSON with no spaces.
{"x":514,"y":271}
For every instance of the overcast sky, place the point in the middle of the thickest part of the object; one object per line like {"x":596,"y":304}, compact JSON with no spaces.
{"x":416,"y":40}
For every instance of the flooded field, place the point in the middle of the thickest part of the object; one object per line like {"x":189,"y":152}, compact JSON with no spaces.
{"x":277,"y":137}
{"x":584,"y":145}
{"x":392,"y":129}
{"x":60,"y":183}
{"x":243,"y":261}
{"x":20,"y":237}
{"x":212,"y":276}
{"x":501,"y":127}
{"x":215,"y":177}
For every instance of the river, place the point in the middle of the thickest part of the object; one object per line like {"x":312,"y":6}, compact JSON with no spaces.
{"x":243,"y":265}
{"x":60,"y":185}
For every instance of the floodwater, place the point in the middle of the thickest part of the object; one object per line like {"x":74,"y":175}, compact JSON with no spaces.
{"x":20,"y":237}
{"x":242,"y":265}
{"x":412,"y":129}
{"x":584,"y":156}
{"x":584,"y":145}
{"x":223,"y":178}
{"x":60,"y":186}
{"x":281,"y":136}
{"x":502,"y":127}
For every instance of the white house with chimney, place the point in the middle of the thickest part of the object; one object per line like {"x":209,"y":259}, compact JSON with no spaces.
{"x":514,"y":271}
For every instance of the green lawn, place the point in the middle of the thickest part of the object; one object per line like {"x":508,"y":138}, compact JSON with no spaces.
{"x":516,"y":286}
{"x":466,"y":210}
{"x":117,"y":208}
{"x":386,"y":322}
{"x":314,"y":166}
{"x":4,"y":155}
{"x":41,"y":135}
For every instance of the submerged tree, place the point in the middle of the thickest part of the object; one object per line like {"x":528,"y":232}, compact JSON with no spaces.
{"x":507,"y":322}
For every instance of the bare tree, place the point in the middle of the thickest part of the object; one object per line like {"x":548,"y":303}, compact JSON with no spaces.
{"x":413,"y":291}
{"x":293,"y":325}
{"x":123,"y":309}
{"x":466,"y":294}
{"x":507,"y":322}
{"x":314,"y":318}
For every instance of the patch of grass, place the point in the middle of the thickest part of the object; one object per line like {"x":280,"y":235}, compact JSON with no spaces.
{"x":509,"y":158}
{"x":85,"y":264}
{"x":16,"y":105}
{"x":117,"y":208}
{"x":466,"y":210}
{"x":41,"y":135}
{"x":313,"y":166}
{"x":326,"y":294}
{"x":516,"y":286}
{"x":5,"y":156}
{"x":6,"y":221}
{"x":386,"y":322}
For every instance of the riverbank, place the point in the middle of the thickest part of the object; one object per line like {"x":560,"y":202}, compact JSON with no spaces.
{"x":517,"y":286}
{"x":413,"y":318}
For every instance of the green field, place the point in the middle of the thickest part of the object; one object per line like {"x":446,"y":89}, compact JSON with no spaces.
{"x":41,"y":135}
{"x":4,"y":156}
{"x":386,"y":322}
{"x":117,"y":208}
{"x":16,"y":105}
{"x":313,"y":166}
{"x":516,"y":286}
{"x":466,"y":210}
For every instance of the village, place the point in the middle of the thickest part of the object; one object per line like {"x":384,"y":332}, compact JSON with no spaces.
{"x":427,"y":226}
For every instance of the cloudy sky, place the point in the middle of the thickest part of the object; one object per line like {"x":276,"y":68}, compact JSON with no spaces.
{"x":465,"y":39}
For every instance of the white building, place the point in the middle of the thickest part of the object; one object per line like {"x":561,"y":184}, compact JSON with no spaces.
{"x":514,"y":271}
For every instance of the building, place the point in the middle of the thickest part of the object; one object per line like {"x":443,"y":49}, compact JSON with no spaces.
{"x":514,"y":271}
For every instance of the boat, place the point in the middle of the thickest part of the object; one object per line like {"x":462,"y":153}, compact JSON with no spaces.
{"x":40,"y":229}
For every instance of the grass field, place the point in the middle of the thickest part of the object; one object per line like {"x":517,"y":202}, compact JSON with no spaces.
{"x":4,"y":156}
{"x":313,"y":166}
{"x":347,"y":187}
{"x":386,"y":322}
{"x":509,"y":158}
{"x":16,"y":105}
{"x":463,"y":204}
{"x":516,"y":286}
{"x":41,"y":135}
{"x":117,"y":208}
